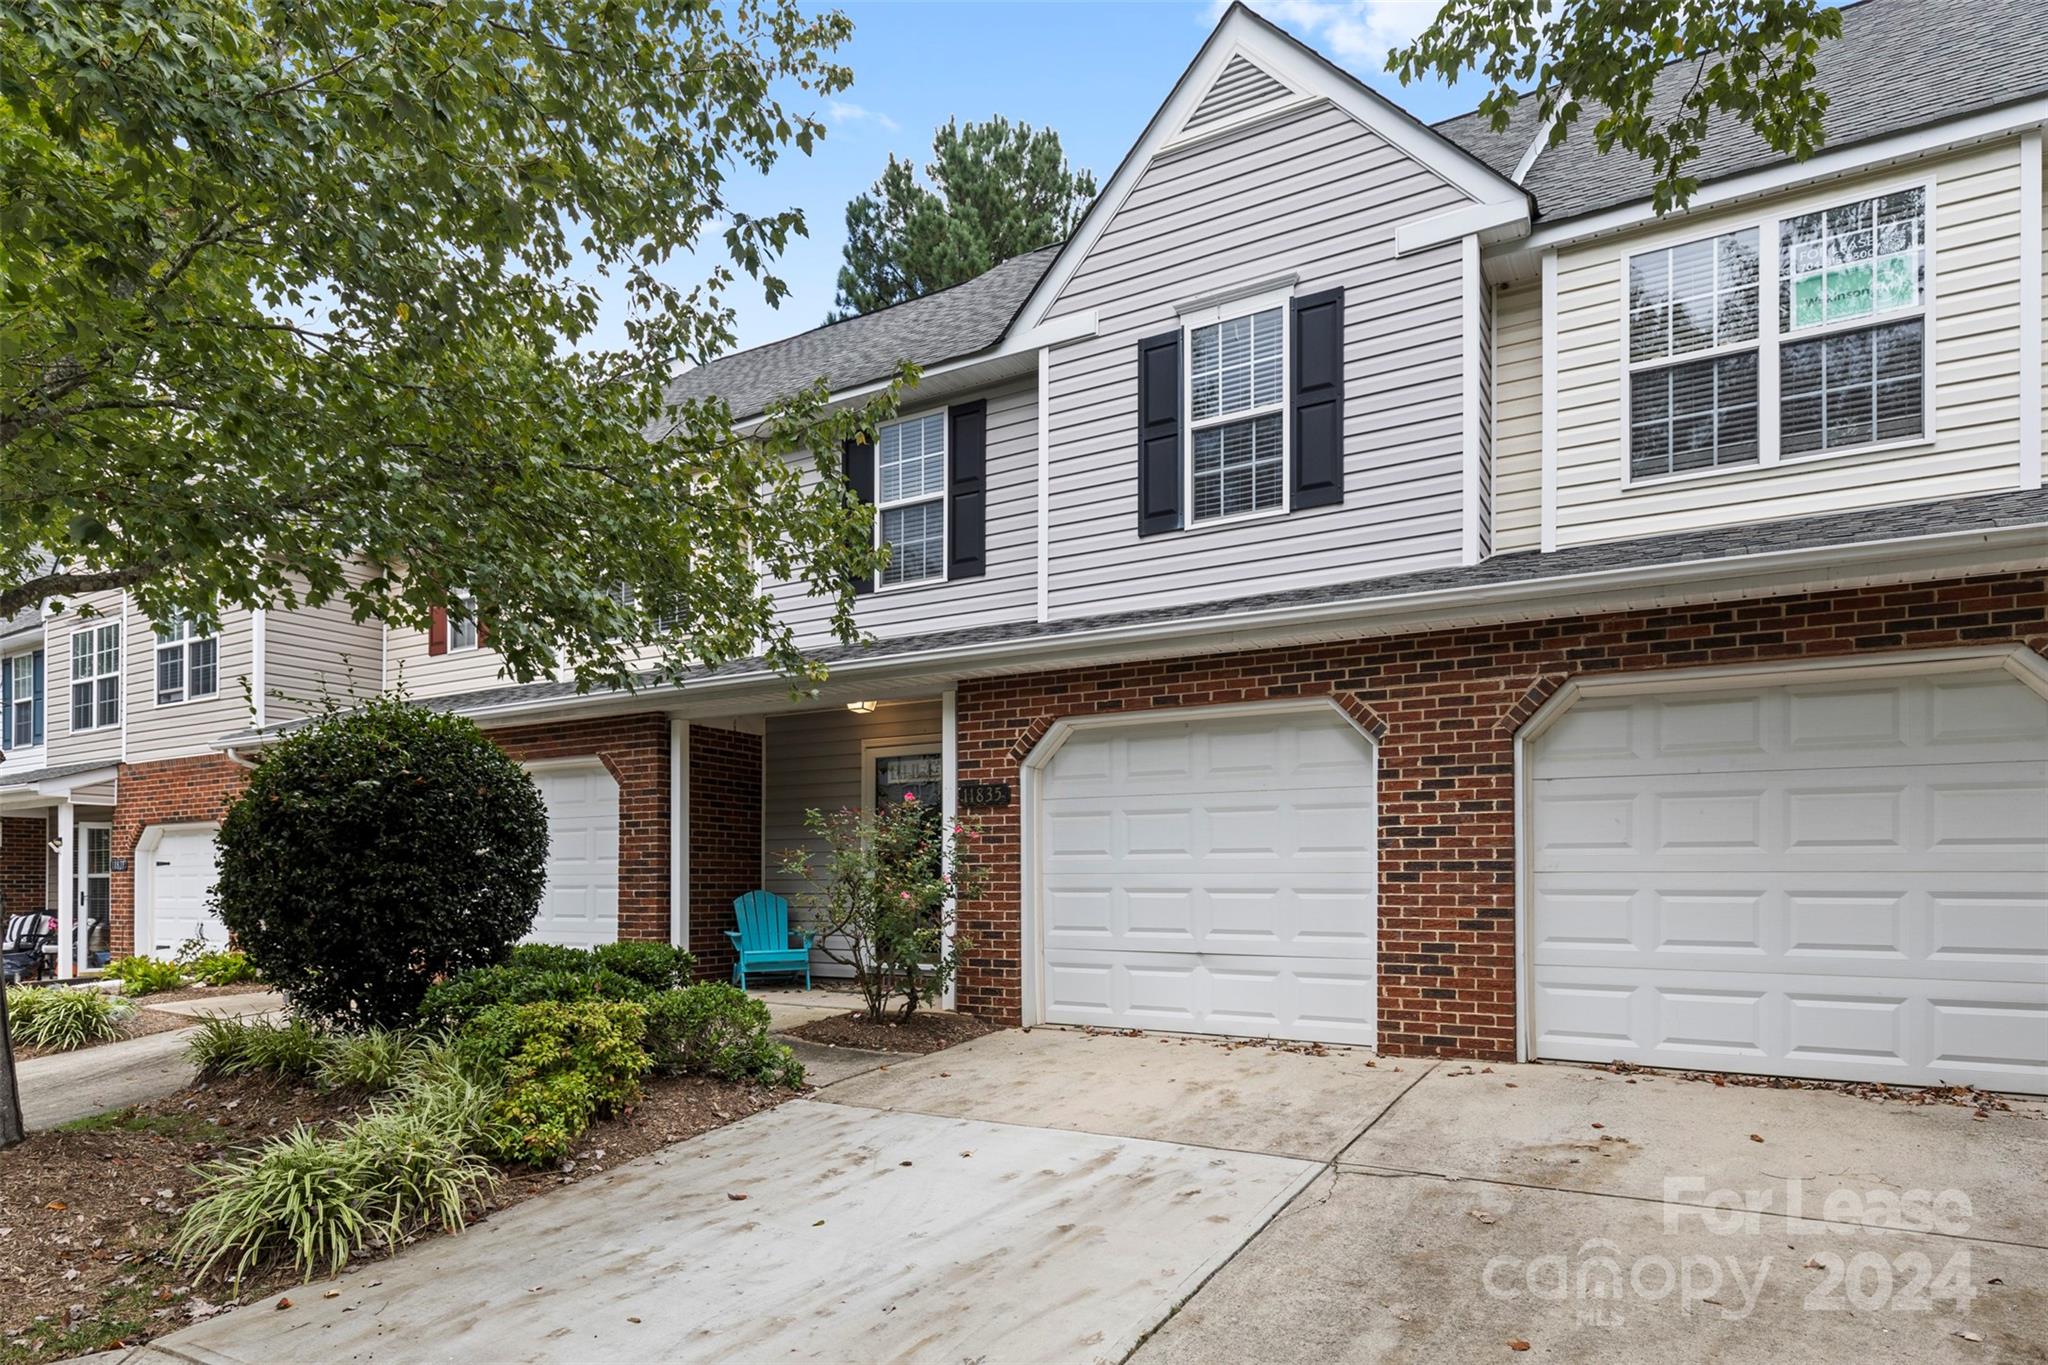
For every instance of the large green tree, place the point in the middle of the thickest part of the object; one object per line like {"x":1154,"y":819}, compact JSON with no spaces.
{"x":293,"y":285}
{"x":1749,"y":59}
{"x":996,"y":189}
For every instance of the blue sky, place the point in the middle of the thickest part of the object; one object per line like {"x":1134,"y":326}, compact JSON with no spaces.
{"x":1094,"y":71}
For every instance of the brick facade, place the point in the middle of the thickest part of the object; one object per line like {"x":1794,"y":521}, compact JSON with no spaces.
{"x":175,"y":791}
{"x":725,"y":838}
{"x":1449,"y":703}
{"x":635,"y":751}
{"x":24,"y":864}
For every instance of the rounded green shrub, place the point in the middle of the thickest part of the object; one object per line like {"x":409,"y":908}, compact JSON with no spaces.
{"x":716,"y":1029}
{"x":657,"y":966}
{"x":146,"y":975}
{"x":375,"y":852}
{"x":561,"y":1064}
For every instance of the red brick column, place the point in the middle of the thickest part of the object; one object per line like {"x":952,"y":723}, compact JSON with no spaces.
{"x":24,"y":864}
{"x":175,"y":791}
{"x":725,"y":839}
{"x":1450,"y":702}
{"x":635,"y":751}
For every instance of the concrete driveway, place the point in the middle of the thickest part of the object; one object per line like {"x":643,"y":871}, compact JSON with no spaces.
{"x":72,"y":1085}
{"x":1062,"y":1196}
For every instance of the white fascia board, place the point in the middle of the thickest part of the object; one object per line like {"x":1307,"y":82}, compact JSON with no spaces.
{"x":1773,"y":573}
{"x":1492,"y":222}
{"x":1307,"y":72}
{"x":1911,"y":145}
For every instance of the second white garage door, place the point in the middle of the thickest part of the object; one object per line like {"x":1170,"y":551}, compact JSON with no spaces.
{"x":580,"y":907}
{"x":1211,"y":876}
{"x":1846,"y":881}
{"x":183,"y":869}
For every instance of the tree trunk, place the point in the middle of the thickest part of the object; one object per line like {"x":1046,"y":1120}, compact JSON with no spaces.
{"x":12,"y":1129}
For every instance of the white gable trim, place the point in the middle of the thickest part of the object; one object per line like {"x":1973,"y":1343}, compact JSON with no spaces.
{"x":1299,"y":68}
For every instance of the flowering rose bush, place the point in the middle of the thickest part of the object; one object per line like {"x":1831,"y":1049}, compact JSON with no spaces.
{"x":884,"y":891}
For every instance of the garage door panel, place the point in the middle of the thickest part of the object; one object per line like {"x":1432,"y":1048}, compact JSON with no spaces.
{"x":580,"y":904}
{"x":1308,"y":999}
{"x":1211,"y":876}
{"x":1855,"y":886}
{"x":184,"y":868}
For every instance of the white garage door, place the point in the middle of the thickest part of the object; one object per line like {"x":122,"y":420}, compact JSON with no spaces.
{"x":183,"y":871}
{"x":1211,"y":877}
{"x":580,"y":907}
{"x":1845,"y":881}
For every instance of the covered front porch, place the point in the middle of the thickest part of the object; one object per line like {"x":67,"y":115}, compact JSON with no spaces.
{"x":57,"y":869}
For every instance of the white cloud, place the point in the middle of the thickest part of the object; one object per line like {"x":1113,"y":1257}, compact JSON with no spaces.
{"x":1361,"y":32}
{"x":844,"y":112}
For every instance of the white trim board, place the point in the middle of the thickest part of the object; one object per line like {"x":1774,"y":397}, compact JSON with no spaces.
{"x":2031,"y":247}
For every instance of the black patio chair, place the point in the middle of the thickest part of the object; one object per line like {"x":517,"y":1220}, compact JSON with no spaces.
{"x":24,"y":951}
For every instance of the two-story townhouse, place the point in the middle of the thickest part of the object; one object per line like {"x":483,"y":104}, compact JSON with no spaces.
{"x":1382,"y":584}
{"x":112,"y":781}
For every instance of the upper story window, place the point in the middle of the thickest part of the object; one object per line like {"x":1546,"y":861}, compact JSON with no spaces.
{"x":187,"y":663}
{"x":1846,"y":341}
{"x":462,"y":631}
{"x":1697,"y":301}
{"x":910,"y":499}
{"x":96,"y":677}
{"x":1237,"y":369}
{"x":21,"y":700}
{"x":1852,"y":296}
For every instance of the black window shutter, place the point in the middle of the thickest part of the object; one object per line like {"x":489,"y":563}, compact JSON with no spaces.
{"x":966,"y":495}
{"x":1318,"y":399}
{"x":1159,"y":457}
{"x":7,"y":740}
{"x":859,"y":459}
{"x":37,"y":720}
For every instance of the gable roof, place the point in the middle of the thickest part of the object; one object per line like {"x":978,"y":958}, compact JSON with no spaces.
{"x":1242,"y":47}
{"x":1899,"y":65}
{"x":947,"y":325}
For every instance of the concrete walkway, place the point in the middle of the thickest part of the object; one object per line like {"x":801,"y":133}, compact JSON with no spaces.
{"x":73,"y":1085}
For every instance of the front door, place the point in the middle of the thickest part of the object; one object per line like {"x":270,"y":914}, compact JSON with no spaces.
{"x":92,"y":867}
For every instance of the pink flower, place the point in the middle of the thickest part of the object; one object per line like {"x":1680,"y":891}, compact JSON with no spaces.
{"x":905,"y":895}
{"x":910,"y":796}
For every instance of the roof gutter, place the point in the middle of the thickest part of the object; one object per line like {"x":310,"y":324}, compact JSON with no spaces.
{"x":1977,"y":550}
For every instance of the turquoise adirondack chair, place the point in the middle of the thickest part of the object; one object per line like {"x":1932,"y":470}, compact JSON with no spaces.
{"x":763,"y":938}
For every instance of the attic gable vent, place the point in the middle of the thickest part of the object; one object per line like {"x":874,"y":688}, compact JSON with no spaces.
{"x":1242,"y":86}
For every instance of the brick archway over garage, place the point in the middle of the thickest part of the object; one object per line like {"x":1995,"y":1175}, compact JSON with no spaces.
{"x":1451,"y":702}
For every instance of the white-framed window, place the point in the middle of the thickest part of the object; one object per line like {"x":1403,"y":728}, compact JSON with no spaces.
{"x":1804,"y":335}
{"x":1852,"y":308}
{"x":910,"y":499}
{"x":1692,"y":355}
{"x":462,"y":632}
{"x":1237,"y":413}
{"x":21,"y":683}
{"x":96,"y":677}
{"x":187,"y":663}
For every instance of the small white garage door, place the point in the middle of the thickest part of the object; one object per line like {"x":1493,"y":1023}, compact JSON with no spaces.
{"x":580,"y":907}
{"x":1846,"y":881}
{"x":1211,"y":876}
{"x":183,"y":869}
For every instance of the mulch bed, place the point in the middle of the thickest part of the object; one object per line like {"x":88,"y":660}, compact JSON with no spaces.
{"x":199,"y":993}
{"x":925,"y":1031}
{"x":87,"y":1211}
{"x":140,"y":1024}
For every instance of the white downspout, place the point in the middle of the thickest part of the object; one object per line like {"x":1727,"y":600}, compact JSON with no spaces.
{"x":949,"y":805}
{"x":678,"y":831}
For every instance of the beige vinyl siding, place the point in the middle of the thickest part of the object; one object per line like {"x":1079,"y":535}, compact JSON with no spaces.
{"x":181,"y":729}
{"x":1518,"y":419}
{"x":59,"y":742}
{"x":424,"y":675}
{"x":1317,"y":196}
{"x":812,"y":761}
{"x":1975,"y":320}
{"x":315,"y":653}
{"x":1488,"y":321}
{"x":1007,"y":591}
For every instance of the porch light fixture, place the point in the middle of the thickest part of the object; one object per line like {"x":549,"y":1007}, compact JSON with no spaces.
{"x":862,"y":708}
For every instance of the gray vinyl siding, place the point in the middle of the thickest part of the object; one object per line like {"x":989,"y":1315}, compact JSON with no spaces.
{"x":1517,"y":483}
{"x":812,"y":761}
{"x":1317,"y":196}
{"x":315,"y":653}
{"x":1008,"y":591}
{"x":181,"y":729}
{"x":1486,"y":434}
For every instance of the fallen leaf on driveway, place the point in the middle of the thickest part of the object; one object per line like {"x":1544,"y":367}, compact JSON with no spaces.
{"x":1599,"y":1125}
{"x":332,"y":1294}
{"x":1481,"y":1216}
{"x":1517,"y":1344}
{"x":284,"y":1303}
{"x":1969,"y":1336}
{"x":735,"y":1197}
{"x":1756,"y":1137}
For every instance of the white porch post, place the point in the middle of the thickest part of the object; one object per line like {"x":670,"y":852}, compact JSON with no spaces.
{"x":67,"y":892}
{"x":949,"y":802}
{"x":678,"y":832}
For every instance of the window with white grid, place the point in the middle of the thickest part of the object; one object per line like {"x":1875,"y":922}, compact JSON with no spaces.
{"x":910,"y":498}
{"x":187,"y":663}
{"x":96,"y":677}
{"x":1692,"y":348}
{"x":1237,"y":371}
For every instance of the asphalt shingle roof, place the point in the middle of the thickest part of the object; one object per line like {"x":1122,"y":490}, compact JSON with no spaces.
{"x":947,"y":325}
{"x":1899,"y":64}
{"x":1528,"y":566}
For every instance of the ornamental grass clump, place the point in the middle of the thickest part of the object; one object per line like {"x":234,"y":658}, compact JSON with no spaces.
{"x":60,"y":1019}
{"x":289,"y":1051}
